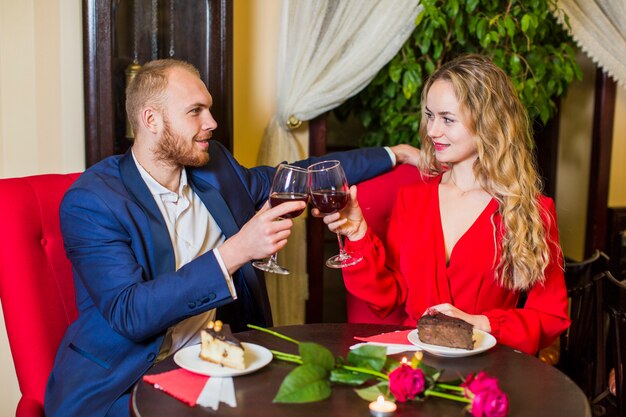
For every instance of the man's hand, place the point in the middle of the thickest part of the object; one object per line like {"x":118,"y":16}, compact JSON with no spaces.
{"x":260,"y":237}
{"x":349,"y":221}
{"x":406,"y":154}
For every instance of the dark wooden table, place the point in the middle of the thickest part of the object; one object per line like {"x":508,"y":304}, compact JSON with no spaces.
{"x":534,"y":388}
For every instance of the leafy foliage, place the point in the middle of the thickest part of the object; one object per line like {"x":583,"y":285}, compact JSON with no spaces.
{"x":521,"y":36}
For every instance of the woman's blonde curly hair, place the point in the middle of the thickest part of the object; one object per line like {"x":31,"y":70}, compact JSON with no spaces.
{"x":505,"y":167}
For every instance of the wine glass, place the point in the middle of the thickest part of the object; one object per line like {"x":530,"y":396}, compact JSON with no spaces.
{"x":290,"y":183}
{"x":329,"y":192}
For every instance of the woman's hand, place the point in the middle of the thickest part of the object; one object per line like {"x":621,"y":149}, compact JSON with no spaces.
{"x":612,"y":382}
{"x":349,"y":221}
{"x":479,"y":322}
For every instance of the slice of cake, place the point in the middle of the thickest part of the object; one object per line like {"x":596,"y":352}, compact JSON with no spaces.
{"x":221,"y":347}
{"x":442,"y":330}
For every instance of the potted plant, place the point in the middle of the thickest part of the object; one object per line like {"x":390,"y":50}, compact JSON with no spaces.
{"x":523,"y":37}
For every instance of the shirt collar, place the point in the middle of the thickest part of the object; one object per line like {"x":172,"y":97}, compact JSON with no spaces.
{"x":157,"y":189}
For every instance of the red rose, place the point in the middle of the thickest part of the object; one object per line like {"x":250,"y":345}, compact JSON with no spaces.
{"x":406,"y":383}
{"x":479,"y":382}
{"x":490,"y":403}
{"x":487,"y":398}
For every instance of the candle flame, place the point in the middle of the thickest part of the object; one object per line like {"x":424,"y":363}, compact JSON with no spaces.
{"x":380,"y":399}
{"x":404,"y":360}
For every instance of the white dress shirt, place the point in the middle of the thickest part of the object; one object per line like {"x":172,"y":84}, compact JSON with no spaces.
{"x":193,"y":232}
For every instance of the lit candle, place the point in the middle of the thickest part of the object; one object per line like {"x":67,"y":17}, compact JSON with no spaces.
{"x":382,"y":408}
{"x":404,"y":360}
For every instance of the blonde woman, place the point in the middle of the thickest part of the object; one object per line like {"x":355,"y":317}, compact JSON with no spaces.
{"x":476,"y":231}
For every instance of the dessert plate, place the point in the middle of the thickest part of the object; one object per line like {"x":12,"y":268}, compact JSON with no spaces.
{"x":255,"y":357}
{"x":482,"y":341}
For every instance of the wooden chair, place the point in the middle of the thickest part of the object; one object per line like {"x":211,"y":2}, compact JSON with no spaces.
{"x":615,"y":309}
{"x":581,"y":346}
{"x":36,"y":283}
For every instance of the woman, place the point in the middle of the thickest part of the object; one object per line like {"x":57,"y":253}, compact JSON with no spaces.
{"x":476,"y":232}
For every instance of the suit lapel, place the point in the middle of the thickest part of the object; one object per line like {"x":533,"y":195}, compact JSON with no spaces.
{"x":216,"y":205}
{"x":162,"y":259}
{"x":249,"y":282}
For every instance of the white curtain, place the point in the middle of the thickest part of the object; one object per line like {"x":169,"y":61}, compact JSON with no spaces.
{"x":599,"y":28}
{"x":328,"y":51}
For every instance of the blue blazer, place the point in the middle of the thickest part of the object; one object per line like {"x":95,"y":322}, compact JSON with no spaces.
{"x":127,"y":289}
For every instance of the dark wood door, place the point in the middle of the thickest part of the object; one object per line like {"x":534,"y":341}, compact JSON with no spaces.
{"x":117,"y":33}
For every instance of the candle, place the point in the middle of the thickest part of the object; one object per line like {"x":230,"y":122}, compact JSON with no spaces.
{"x":382,"y":408}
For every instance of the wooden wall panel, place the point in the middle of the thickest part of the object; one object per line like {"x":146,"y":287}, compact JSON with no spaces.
{"x":118,"y":32}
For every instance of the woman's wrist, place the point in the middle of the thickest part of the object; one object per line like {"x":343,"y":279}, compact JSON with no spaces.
{"x":481,"y":322}
{"x":360,"y":231}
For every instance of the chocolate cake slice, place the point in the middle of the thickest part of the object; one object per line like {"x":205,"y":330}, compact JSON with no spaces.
{"x":442,"y":330}
{"x":221,"y":347}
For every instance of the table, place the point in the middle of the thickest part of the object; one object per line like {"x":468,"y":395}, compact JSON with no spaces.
{"x":535,"y":389}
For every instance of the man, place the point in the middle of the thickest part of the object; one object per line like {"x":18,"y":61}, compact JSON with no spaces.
{"x":161,"y":240}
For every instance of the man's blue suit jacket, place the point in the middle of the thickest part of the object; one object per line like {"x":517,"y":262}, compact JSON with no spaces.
{"x":127,"y":290}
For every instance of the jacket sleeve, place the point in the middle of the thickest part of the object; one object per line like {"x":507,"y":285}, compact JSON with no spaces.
{"x":109,"y":256}
{"x":358,"y":164}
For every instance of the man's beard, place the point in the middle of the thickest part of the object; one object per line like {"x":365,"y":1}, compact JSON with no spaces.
{"x":175,"y":149}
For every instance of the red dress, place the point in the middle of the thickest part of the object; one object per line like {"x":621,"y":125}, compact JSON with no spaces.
{"x":411,"y":270}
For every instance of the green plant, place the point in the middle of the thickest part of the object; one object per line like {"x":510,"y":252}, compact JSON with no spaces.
{"x":521,"y":36}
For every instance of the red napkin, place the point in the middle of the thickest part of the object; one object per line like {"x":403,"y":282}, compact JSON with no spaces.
{"x":180,"y":384}
{"x":399,"y":337}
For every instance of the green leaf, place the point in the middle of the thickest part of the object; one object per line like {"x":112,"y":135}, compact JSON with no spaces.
{"x":494,"y":36}
{"x":316,"y":354}
{"x":410,"y":81}
{"x":540,"y":71}
{"x":395,"y":71}
{"x":343,"y":376}
{"x":437,"y":51}
{"x":430,"y":67}
{"x":515,"y":64}
{"x":481,"y":29}
{"x":452,"y":7}
{"x":419,"y":18}
{"x":526,"y":22}
{"x":369,"y":356}
{"x":390,"y":90}
{"x":306,"y":383}
{"x":471,"y":5}
{"x":460,"y":30}
{"x":372,"y":392}
{"x":509,"y":24}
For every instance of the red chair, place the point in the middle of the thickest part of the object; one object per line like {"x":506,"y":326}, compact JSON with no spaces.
{"x":36,"y":285}
{"x":376,"y":198}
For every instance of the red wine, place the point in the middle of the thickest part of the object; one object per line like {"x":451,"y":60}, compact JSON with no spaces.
{"x":329,"y":201}
{"x":279,"y":198}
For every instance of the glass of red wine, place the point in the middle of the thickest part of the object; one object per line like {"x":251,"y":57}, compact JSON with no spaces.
{"x":329,"y":192}
{"x":290,"y":183}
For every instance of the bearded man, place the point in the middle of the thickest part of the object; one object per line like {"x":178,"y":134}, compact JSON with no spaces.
{"x":161,"y":240}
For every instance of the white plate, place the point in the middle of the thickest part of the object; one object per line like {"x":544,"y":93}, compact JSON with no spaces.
{"x":255,"y":357}
{"x":482,"y":341}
